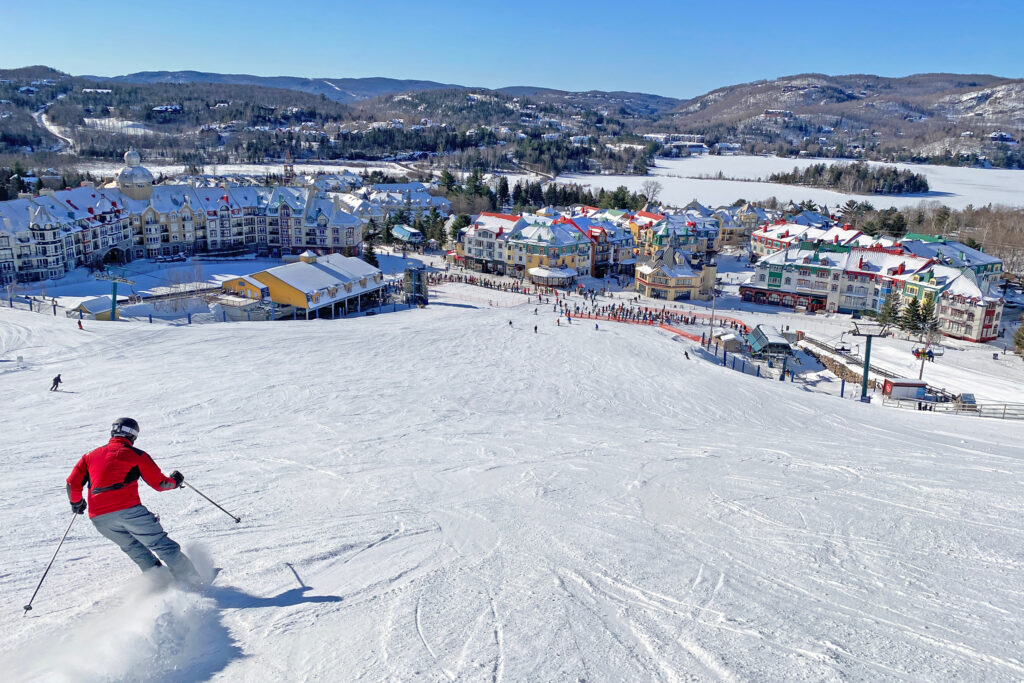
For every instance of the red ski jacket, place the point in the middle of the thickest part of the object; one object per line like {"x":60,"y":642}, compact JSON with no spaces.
{"x":112,"y":473}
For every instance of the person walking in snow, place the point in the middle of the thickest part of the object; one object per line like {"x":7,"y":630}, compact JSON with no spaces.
{"x":112,"y":473}
{"x":56,"y":383}
{"x":535,"y":329}
{"x":80,"y":324}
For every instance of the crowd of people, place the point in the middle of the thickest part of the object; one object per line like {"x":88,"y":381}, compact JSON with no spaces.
{"x":590,"y":303}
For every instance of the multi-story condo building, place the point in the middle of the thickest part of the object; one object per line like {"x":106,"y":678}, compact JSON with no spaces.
{"x":675,"y":274}
{"x":43,"y":237}
{"x":550,"y":253}
{"x":612,"y":247}
{"x":984,"y":269}
{"x":780,"y":235}
{"x":847,"y":280}
{"x":690,"y":232}
{"x":484,"y":243}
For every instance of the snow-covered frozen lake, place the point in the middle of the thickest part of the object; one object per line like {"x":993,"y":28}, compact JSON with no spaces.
{"x":437,"y":495}
{"x":684,"y":180}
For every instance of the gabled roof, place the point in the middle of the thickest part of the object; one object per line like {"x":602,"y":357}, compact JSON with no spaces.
{"x":87,"y":202}
{"x":951,"y":253}
{"x":333,"y":270}
{"x":94,"y":305}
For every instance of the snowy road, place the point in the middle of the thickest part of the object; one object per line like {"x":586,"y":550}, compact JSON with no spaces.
{"x":434,"y":495}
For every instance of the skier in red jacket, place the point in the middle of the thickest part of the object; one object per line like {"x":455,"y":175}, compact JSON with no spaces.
{"x":112,"y":474}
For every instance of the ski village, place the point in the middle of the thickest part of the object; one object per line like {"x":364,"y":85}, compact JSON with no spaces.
{"x":604,"y":357}
{"x":570,"y":443}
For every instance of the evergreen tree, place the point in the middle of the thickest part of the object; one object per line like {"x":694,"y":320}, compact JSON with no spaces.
{"x":370,"y":256}
{"x":503,"y":194}
{"x":536,"y":195}
{"x":518,"y":198}
{"x":434,"y":224}
{"x":448,"y":181}
{"x":1018,"y":340}
{"x":551,"y":195}
{"x":910,"y":320}
{"x":461,"y":221}
{"x":372,"y":233}
{"x":929,"y":323}
{"x":890,"y":311}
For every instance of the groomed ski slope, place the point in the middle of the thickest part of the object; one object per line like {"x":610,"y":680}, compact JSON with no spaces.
{"x":433,"y":495}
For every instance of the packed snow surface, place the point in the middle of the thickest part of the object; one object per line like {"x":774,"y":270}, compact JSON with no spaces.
{"x":434,"y":494}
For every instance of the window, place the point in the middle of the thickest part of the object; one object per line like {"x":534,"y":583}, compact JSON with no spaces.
{"x":788,"y":280}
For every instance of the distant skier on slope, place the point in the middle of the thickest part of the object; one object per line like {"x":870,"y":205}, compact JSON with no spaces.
{"x":56,"y":383}
{"x":112,"y":472}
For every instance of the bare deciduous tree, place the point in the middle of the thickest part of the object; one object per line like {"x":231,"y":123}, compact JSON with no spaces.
{"x":652,"y":190}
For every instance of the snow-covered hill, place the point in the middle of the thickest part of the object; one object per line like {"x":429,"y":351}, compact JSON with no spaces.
{"x":436,"y":495}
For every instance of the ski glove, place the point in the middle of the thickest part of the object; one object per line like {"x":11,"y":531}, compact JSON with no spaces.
{"x":178,"y":477}
{"x":79,"y":507}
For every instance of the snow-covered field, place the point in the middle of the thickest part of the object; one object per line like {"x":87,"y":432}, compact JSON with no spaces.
{"x":123,"y":126}
{"x":435,"y":495}
{"x":684,"y":180}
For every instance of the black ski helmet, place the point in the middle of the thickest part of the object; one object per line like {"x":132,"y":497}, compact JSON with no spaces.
{"x":125,"y":427}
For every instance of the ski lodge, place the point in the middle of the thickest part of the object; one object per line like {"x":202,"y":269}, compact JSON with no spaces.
{"x":315,"y":286}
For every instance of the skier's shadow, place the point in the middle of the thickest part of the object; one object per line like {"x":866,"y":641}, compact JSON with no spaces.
{"x":235,"y":598}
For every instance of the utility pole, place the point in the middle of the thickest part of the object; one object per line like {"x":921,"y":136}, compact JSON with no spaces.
{"x":114,"y":279}
{"x":714,"y":300}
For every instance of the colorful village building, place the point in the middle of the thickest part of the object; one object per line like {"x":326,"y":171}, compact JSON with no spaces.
{"x":837,"y":279}
{"x":674,"y":274}
{"x":551,"y":254}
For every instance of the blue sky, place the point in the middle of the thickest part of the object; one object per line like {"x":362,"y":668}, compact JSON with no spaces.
{"x":680,"y":49}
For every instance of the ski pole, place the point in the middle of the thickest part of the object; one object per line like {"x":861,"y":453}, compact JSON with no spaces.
{"x":28,"y":607}
{"x":237,"y":519}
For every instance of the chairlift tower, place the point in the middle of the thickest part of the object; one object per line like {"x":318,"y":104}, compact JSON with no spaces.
{"x":415,"y":286}
{"x":114,"y":279}
{"x":868,"y":330}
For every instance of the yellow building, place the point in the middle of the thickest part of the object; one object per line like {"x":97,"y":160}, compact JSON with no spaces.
{"x":320,"y":285}
{"x":93,"y":309}
{"x":556,"y":253}
{"x":676,"y":275}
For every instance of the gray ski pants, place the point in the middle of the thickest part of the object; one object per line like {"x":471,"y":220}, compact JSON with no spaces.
{"x":138,"y":533}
